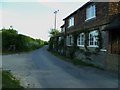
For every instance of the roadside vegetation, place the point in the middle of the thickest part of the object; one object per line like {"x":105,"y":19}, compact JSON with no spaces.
{"x":12,"y":42}
{"x":9,"y":81}
{"x":75,"y":61}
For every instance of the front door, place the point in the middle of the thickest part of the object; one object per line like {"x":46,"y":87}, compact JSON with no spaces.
{"x":115,"y":41}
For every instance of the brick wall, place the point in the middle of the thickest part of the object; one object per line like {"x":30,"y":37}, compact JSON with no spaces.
{"x":103,"y":11}
{"x":114,"y":8}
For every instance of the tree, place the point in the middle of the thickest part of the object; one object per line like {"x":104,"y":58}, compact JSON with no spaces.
{"x":14,"y":42}
{"x":54,"y":32}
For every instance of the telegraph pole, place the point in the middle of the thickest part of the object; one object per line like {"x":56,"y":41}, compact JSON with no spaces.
{"x":55,"y":18}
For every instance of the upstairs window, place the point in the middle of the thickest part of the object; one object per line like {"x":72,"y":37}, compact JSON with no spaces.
{"x":80,"y":40}
{"x":90,"y":12}
{"x":93,"y":39}
{"x":71,"y":22}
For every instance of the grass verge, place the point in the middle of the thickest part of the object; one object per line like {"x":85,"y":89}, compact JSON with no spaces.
{"x":9,"y":81}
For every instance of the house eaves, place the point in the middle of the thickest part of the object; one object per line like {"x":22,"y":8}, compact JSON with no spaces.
{"x":62,"y":26}
{"x":114,"y":23}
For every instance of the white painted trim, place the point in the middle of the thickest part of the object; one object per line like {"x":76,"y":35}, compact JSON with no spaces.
{"x":103,"y":50}
{"x":69,"y":45}
{"x":90,"y":18}
{"x":70,"y":26}
{"x":80,"y":45}
{"x":80,"y":39}
{"x":93,"y":46}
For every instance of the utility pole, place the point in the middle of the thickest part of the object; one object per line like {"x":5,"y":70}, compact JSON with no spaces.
{"x":55,"y":18}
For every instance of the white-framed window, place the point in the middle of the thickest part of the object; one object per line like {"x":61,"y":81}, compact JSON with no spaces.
{"x":81,"y":39}
{"x":71,"y":21}
{"x":63,"y":29}
{"x":93,"y":39}
{"x":69,"y":40}
{"x":59,"y":39}
{"x":90,"y":12}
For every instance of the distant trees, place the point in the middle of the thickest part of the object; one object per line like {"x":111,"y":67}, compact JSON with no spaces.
{"x":12,"y":41}
{"x":53,"y":32}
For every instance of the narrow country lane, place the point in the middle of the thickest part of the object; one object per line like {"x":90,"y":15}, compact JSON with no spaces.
{"x":41,"y":69}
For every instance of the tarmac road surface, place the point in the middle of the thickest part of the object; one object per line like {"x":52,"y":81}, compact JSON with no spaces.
{"x":41,"y":69}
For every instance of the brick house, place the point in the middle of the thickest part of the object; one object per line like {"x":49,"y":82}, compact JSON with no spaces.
{"x":94,"y":28}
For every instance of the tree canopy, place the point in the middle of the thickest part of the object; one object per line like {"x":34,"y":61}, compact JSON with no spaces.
{"x":53,"y":32}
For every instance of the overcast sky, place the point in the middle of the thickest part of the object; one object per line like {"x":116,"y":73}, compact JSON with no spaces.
{"x":35,"y":17}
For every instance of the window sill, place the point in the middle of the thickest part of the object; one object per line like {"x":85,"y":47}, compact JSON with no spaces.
{"x":69,"y":45}
{"x":70,"y":26}
{"x":103,"y":50}
{"x":94,"y":46}
{"x":80,"y":45}
{"x":94,"y":17}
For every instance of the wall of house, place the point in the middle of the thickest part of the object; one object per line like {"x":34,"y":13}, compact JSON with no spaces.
{"x":92,"y":57}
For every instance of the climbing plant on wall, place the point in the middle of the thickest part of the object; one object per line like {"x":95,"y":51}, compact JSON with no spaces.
{"x":51,"y":43}
{"x":100,"y":41}
{"x":86,"y":39}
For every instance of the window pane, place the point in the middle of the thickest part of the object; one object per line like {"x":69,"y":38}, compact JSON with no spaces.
{"x":93,"y":41}
{"x":94,"y":11}
{"x":90,"y":11}
{"x":71,"y":21}
{"x":81,"y":39}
